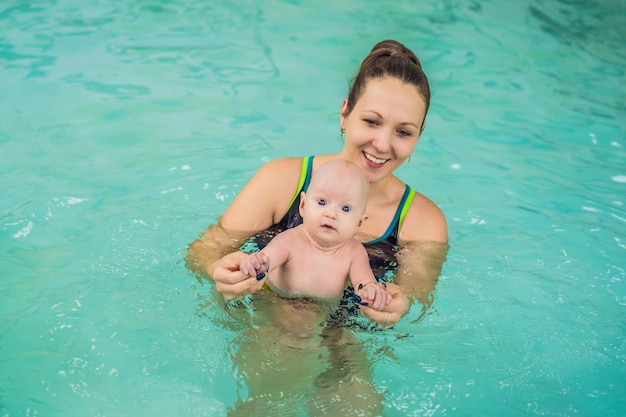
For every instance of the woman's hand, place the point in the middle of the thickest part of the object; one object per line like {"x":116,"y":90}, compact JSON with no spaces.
{"x":373,"y":294}
{"x":390,"y":314}
{"x":229,"y":280}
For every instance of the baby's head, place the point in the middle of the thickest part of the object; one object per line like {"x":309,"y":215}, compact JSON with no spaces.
{"x":346,"y":179}
{"x":335,"y":201}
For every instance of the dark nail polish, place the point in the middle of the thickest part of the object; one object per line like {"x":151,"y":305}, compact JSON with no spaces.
{"x":359,"y":300}
{"x":260,"y":276}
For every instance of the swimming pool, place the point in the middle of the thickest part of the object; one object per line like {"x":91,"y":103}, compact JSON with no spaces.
{"x":127,"y":127}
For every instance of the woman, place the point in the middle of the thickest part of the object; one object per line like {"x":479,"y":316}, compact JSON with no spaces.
{"x":285,"y":359}
{"x":381,"y":122}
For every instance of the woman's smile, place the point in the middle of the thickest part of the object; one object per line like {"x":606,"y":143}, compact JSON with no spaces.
{"x":374,"y":161}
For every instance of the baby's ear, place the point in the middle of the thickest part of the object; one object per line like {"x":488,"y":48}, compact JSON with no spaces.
{"x":363,"y":218}
{"x":301,"y":207}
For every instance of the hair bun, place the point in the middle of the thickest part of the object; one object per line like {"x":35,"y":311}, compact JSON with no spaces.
{"x":392,"y":49}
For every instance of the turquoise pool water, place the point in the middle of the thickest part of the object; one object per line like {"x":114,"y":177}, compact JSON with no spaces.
{"x":127,"y":127}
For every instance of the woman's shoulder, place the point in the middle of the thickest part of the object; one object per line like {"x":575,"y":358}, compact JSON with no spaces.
{"x":279,"y":175}
{"x":285,"y":171}
{"x":282,"y":166}
{"x":265,"y":197}
{"x":424,"y":221}
{"x":275,"y":174}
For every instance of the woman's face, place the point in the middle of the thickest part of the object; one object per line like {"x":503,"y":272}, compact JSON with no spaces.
{"x":383,"y":127}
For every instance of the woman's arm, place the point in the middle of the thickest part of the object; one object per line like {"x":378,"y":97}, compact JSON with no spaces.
{"x":261,"y":203}
{"x":419,"y":268}
{"x":423,"y":242}
{"x":215,"y":253}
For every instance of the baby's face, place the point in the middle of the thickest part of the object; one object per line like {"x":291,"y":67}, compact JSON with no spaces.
{"x":333,"y":209}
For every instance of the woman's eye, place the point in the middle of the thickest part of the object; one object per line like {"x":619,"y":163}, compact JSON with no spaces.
{"x":404,"y":133}
{"x":370,"y":122}
{"x":321,"y":202}
{"x":345,"y":209}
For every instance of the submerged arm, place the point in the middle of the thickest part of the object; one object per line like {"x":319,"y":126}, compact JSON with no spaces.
{"x":259,"y":205}
{"x":419,"y":267}
{"x":423,"y":248}
{"x":215,"y":253}
{"x":418,"y":271}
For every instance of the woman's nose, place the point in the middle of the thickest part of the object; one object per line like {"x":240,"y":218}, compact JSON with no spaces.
{"x":382,"y":141}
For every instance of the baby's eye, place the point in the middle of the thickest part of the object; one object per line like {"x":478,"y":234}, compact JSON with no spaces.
{"x":345,"y":209}
{"x":321,"y":202}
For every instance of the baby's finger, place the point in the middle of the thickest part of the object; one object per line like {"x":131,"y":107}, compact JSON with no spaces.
{"x":369,"y":292}
{"x":254,"y":262}
{"x":247,"y":269}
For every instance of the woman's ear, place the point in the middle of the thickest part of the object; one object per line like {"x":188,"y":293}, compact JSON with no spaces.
{"x":343,"y":113}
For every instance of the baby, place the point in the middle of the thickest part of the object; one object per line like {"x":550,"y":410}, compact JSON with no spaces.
{"x":317,"y":257}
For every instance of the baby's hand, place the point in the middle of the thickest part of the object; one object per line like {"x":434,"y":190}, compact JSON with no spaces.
{"x":254,"y":264}
{"x":374,"y":294}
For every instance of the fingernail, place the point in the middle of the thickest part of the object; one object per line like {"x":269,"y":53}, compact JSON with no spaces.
{"x":358,"y":300}
{"x":260,"y":276}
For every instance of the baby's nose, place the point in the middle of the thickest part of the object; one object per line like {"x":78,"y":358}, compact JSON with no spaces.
{"x":331,"y":212}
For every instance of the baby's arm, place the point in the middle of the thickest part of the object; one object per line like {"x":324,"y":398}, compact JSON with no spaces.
{"x":275,"y":254}
{"x":364,"y":282}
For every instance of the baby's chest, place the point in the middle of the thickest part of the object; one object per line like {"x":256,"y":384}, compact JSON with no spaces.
{"x":320,"y":275}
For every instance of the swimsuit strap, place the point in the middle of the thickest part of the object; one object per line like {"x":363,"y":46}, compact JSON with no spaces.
{"x":305,"y":178}
{"x":309,"y":171}
{"x":398,"y":218}
{"x":405,"y":205}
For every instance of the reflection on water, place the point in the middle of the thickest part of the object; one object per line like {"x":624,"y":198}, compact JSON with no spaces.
{"x":298,"y":354}
{"x":289,"y":360}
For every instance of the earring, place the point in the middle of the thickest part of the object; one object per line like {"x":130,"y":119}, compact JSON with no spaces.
{"x":409,"y":160}
{"x":342,"y":134}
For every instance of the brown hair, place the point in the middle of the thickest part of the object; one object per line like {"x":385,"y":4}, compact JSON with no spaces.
{"x":390,"y":58}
